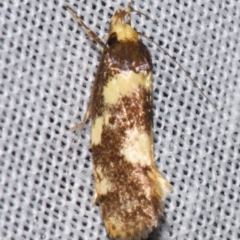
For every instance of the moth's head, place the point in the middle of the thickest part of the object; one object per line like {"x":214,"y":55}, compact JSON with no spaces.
{"x":120,"y":27}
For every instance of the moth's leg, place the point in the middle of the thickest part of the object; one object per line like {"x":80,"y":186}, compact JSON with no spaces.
{"x":82,"y":123}
{"x":89,"y":32}
{"x":86,"y":116}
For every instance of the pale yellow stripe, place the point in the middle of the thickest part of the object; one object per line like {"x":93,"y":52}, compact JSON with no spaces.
{"x":97,"y":127}
{"x":97,"y":130}
{"x":124,"y":84}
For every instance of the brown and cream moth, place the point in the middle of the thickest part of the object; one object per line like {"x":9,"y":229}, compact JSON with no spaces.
{"x":128,"y":186}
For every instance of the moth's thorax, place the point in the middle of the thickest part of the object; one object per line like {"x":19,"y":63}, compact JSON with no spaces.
{"x":121,"y":28}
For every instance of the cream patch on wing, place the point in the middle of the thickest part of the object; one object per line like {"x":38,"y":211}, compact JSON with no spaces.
{"x":97,"y":127}
{"x":125,"y":83}
{"x":138,"y":147}
{"x":103,"y":185}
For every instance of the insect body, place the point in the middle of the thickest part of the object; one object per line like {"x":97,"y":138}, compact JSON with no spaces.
{"x":128,"y":186}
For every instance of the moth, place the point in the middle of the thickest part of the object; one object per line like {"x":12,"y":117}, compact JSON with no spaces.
{"x":128,"y":186}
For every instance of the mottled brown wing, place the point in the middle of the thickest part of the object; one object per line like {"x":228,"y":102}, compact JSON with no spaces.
{"x":127,"y":183}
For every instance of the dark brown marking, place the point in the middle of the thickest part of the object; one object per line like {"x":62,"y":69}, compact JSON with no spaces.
{"x":112,"y":39}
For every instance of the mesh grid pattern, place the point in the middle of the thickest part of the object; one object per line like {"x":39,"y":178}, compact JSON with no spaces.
{"x":47,"y":67}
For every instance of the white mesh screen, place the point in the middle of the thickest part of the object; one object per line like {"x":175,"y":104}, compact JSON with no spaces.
{"x":47,"y":67}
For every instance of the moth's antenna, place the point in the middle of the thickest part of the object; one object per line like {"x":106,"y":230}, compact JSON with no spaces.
{"x":187,"y":73}
{"x":173,"y":58}
{"x":90,"y":33}
{"x":141,"y":13}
